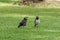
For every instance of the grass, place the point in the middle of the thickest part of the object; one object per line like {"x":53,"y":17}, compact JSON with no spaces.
{"x":10,"y":16}
{"x":8,"y":1}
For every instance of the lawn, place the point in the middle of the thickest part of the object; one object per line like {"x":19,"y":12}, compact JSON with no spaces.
{"x":10,"y":16}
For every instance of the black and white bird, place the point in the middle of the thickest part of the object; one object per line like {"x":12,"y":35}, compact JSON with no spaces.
{"x":37,"y":21}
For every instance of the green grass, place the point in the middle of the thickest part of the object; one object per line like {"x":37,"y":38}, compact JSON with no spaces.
{"x":10,"y":16}
{"x":8,"y":1}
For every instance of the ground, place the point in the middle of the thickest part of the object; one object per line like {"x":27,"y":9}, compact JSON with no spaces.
{"x":11,"y":15}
